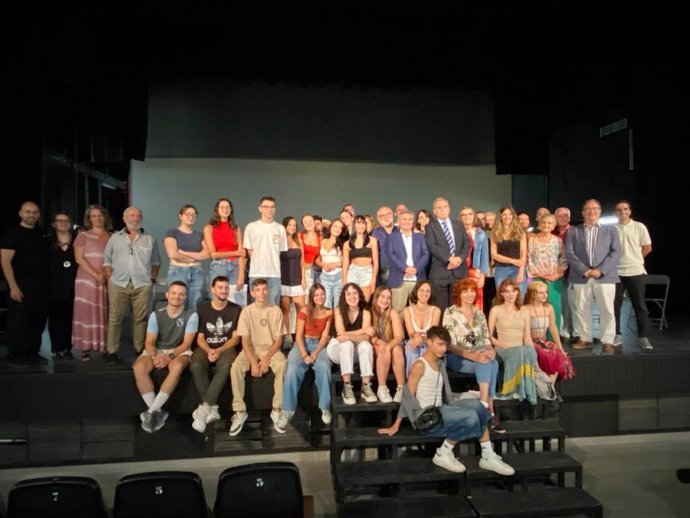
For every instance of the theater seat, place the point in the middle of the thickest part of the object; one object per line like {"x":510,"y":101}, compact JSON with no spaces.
{"x":160,"y":494}
{"x":262,"y":490}
{"x":56,"y":497}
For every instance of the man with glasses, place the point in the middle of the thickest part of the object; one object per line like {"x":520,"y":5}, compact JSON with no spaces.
{"x":264,"y":239}
{"x":593,"y":252}
{"x":384,"y":216}
{"x":131,"y":265}
{"x":448,"y":245}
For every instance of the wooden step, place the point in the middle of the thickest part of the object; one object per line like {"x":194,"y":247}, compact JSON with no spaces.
{"x":401,"y":471}
{"x":370,"y":438}
{"x":443,"y":506}
{"x":536,"y":502}
{"x":526,"y":465}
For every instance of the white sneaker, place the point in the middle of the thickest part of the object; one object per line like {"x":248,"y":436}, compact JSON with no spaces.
{"x":237,"y":422}
{"x":397,"y":398}
{"x":618,"y":340}
{"x":368,"y":393}
{"x":383,"y":394}
{"x":645,"y":344}
{"x":199,"y":415}
{"x":348,"y":394}
{"x":275,"y":417}
{"x":283,"y":420}
{"x":449,"y":462}
{"x":495,"y":464}
{"x":326,"y":416}
{"x":213,"y":414}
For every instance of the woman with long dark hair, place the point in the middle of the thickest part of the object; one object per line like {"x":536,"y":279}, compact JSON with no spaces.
{"x":223,"y":240}
{"x":63,"y":270}
{"x":418,"y":317}
{"x":330,"y":260}
{"x":312,"y":335}
{"x":291,"y":272}
{"x":361,"y":258}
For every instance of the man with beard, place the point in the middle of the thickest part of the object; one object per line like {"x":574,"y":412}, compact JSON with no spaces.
{"x":216,"y":345}
{"x":131,"y":264}
{"x":24,"y":254}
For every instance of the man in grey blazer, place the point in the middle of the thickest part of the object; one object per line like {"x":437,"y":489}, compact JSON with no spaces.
{"x":593,"y":252}
{"x":448,"y":245}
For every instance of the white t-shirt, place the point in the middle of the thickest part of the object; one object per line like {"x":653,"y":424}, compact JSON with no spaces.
{"x":633,"y":237}
{"x":266,"y":240}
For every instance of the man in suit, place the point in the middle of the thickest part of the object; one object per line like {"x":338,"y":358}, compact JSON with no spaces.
{"x":407,"y":255}
{"x":448,"y":245}
{"x":593,"y":252}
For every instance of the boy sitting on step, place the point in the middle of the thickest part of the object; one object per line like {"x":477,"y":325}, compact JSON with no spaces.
{"x":427,"y":386}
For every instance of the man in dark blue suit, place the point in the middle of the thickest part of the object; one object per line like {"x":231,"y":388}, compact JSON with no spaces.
{"x":448,"y":245}
{"x":407,"y":255}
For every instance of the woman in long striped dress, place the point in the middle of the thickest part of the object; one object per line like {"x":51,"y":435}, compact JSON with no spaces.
{"x":90,"y":320}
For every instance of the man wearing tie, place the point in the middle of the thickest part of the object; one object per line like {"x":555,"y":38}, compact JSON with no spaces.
{"x":448,"y":245}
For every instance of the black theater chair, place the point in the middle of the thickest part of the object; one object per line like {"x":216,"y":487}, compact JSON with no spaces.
{"x":56,"y":497}
{"x":262,"y":490}
{"x":160,"y":494}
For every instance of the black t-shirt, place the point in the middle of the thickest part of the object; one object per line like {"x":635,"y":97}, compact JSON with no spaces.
{"x":30,"y":262}
{"x":218,"y":326}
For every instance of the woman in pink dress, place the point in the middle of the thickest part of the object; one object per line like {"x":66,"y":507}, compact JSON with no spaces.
{"x":90,"y":321}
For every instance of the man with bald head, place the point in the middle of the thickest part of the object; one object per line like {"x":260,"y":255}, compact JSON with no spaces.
{"x":24,"y":257}
{"x":448,"y":245}
{"x":384,"y":216}
{"x":131,"y":264}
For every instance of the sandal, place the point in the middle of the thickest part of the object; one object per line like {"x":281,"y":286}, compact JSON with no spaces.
{"x":85,"y":356}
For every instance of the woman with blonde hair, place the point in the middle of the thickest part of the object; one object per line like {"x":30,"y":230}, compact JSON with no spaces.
{"x":553,"y":360}
{"x":509,"y":249}
{"x":387,"y":342}
{"x":90,"y":320}
{"x":546,"y":262}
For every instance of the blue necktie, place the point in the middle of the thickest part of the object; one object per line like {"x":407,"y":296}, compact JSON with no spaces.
{"x":449,"y":237}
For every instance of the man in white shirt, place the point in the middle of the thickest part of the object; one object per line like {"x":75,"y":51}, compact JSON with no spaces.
{"x":635,"y":246}
{"x":264,"y":239}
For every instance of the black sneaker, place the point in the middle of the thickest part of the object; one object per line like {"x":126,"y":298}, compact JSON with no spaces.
{"x":111,"y":359}
{"x":496,"y":426}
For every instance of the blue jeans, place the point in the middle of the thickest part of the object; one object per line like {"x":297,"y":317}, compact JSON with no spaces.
{"x":273,"y":288}
{"x":501,"y":273}
{"x":484,"y":372}
{"x":464,"y":419}
{"x":193,"y":277}
{"x":224,"y":267}
{"x":333,"y":282}
{"x":296,"y":369}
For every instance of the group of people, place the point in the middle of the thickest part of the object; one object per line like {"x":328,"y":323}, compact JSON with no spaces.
{"x":392,"y":296}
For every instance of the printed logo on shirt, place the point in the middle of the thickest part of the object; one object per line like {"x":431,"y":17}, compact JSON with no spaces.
{"x":180,"y":322}
{"x":217,"y":333}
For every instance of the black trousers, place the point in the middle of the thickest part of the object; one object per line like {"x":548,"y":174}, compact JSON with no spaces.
{"x":635,"y":286}
{"x":60,"y":313}
{"x":26,"y":321}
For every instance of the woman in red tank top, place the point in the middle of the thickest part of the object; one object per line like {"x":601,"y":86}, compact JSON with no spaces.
{"x":311,"y":244}
{"x":223,"y":239}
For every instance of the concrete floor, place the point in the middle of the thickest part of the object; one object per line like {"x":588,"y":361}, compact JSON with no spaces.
{"x":634,"y":476}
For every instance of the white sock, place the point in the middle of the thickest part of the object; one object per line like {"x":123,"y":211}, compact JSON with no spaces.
{"x":487,"y":449}
{"x":148,"y":398}
{"x":446,"y":448}
{"x":158,"y":403}
{"x":486,"y":405}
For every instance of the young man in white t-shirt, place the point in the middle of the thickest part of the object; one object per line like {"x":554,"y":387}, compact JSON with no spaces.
{"x":264,"y":239}
{"x":635,"y":246}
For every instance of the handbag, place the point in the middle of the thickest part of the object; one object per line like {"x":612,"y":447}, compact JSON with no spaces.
{"x":430,"y":416}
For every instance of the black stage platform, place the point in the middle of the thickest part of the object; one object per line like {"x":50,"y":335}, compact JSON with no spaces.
{"x":73,"y":411}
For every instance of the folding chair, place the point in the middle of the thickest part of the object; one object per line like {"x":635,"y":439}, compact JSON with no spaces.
{"x":663,"y":281}
{"x":56,"y":497}
{"x":160,"y":494}
{"x":263,"y":490}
